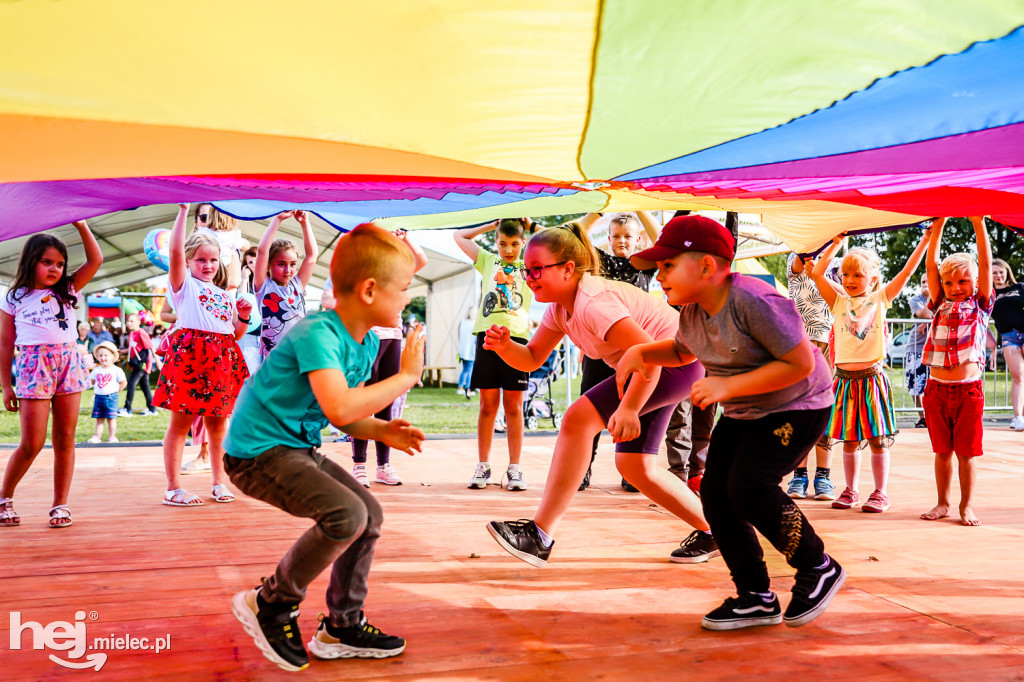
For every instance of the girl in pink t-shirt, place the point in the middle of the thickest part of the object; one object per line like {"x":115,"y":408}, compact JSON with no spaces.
{"x":38,"y":315}
{"x":603,"y":318}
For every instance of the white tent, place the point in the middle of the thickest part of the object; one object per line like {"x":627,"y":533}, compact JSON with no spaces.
{"x":447,"y":280}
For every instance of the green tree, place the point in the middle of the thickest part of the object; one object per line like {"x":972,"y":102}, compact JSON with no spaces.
{"x":776,"y":264}
{"x":487,"y":239}
{"x":141,"y":288}
{"x":418,"y":307}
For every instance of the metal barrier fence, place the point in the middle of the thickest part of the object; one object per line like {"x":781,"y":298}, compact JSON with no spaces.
{"x":997,"y":382}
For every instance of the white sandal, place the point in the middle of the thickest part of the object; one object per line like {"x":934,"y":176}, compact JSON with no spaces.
{"x":222,"y":494}
{"x":58,"y":514}
{"x":179,"y":497}
{"x":8,"y":517}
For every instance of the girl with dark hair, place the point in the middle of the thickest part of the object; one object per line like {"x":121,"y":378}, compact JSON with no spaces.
{"x":37,"y":316}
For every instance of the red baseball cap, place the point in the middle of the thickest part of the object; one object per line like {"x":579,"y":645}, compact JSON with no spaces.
{"x":687,"y":233}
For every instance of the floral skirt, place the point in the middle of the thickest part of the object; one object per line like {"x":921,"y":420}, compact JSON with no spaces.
{"x":203,"y":373}
{"x":48,"y":369}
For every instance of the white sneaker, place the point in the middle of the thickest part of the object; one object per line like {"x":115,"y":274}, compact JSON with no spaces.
{"x":94,"y":439}
{"x":481,"y":477}
{"x":113,"y":439}
{"x":387,"y":475}
{"x":359,"y":472}
{"x":196,"y":466}
{"x":124,"y":413}
{"x":516,"y":480}
{"x":1017,"y":423}
{"x":460,"y":391}
{"x":150,"y":413}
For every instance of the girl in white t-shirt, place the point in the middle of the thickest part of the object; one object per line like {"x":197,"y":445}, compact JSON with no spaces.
{"x":223,"y":228}
{"x":604,"y":318}
{"x":204,"y":369}
{"x":106,"y":380}
{"x":37,"y":316}
{"x":280,"y":281}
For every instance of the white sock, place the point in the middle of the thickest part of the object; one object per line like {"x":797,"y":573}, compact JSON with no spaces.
{"x":544,"y":537}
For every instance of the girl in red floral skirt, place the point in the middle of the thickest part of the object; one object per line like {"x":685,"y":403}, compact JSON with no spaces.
{"x":204,"y":369}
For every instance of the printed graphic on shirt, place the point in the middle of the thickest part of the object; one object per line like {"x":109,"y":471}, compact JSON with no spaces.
{"x":858,"y":321}
{"x":58,"y":314}
{"x":504,"y":296}
{"x":103,"y":379}
{"x":217,"y":303}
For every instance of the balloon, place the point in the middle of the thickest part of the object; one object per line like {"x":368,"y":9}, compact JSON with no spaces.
{"x":155,"y":245}
{"x":255,"y":319}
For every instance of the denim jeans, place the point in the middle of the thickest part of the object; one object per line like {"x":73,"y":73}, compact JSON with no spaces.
{"x":304,"y":483}
{"x":466,"y":374}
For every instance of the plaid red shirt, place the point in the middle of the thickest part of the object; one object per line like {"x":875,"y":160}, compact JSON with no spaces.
{"x":958,"y":333}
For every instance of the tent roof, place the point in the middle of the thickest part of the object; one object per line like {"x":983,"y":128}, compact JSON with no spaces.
{"x":120,"y":235}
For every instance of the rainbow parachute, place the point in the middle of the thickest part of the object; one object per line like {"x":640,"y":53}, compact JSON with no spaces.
{"x":821,"y":116}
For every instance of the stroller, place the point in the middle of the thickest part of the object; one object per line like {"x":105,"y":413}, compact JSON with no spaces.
{"x":538,"y":403}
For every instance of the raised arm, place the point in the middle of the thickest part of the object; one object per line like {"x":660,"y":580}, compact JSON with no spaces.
{"x":93,"y":256}
{"x":309,"y":247}
{"x":651,"y":226}
{"x":176,"y":250}
{"x":932,"y":264}
{"x":588,"y":221}
{"x":464,"y":238}
{"x":259,"y":275}
{"x":417,"y":253}
{"x":984,"y":258}
{"x":896,"y":284}
{"x":818,"y":273}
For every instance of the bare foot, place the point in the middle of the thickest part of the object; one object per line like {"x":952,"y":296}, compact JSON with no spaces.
{"x":967,"y":517}
{"x":939,"y":511}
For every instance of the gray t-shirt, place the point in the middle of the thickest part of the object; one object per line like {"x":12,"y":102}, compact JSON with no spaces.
{"x":918,"y":332}
{"x":755,"y":326}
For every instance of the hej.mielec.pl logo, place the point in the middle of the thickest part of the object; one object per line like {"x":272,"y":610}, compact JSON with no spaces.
{"x":72,"y":638}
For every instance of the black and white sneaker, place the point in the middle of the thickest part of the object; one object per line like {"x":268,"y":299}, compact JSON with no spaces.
{"x":813,"y":591}
{"x":355,"y":641}
{"x":697,"y":548}
{"x":522,"y":540}
{"x":273,"y":627}
{"x":745,"y":611}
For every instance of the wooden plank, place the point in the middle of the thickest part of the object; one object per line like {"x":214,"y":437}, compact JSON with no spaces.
{"x":923,"y":600}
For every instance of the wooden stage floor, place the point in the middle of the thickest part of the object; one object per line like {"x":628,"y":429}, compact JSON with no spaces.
{"x":923,"y":600}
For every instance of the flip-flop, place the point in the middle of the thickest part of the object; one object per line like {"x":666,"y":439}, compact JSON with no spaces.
{"x":222,"y":494}
{"x":181,"y":498}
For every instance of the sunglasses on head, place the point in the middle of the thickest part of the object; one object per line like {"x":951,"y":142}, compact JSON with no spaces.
{"x":536,"y":271}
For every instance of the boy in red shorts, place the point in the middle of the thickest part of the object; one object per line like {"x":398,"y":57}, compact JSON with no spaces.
{"x":960,"y":293}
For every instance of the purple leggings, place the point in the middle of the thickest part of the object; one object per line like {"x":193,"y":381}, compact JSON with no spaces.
{"x":387,"y":364}
{"x":673,"y":386}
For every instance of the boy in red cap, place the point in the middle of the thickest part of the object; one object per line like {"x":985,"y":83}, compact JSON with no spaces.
{"x":776,"y":389}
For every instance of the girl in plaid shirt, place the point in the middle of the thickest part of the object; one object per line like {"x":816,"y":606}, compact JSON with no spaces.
{"x":960,"y":293}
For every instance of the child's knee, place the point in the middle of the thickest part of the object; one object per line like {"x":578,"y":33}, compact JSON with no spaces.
{"x":345,"y":521}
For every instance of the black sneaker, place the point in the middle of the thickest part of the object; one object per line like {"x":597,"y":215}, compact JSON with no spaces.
{"x":745,"y":611}
{"x":813,"y":591}
{"x":697,"y":548}
{"x":273,"y":627}
{"x":586,"y":481}
{"x":522,"y":540}
{"x":629,"y":487}
{"x":355,"y":641}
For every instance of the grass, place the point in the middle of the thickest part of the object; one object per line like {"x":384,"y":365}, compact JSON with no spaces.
{"x":435,"y":410}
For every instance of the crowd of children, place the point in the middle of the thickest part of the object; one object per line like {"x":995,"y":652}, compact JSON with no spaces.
{"x":789,"y":375}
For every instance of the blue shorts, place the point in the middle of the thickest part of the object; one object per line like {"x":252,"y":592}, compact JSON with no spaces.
{"x":1013,"y":338}
{"x":673,"y":387}
{"x":104,"y":406}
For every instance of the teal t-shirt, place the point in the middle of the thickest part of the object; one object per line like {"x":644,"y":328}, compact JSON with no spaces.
{"x":277,"y":405}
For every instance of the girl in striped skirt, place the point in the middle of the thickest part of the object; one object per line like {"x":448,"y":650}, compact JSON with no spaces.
{"x":863,"y":410}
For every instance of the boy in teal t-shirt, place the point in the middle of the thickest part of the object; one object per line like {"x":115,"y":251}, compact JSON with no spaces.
{"x":505,"y":300}
{"x":314,"y":377}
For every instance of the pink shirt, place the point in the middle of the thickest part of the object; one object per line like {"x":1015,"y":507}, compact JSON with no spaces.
{"x":600,"y":303}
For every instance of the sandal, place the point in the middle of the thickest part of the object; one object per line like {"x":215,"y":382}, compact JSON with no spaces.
{"x":58,"y":515}
{"x":8,"y":517}
{"x":222,"y":494}
{"x":181,"y":498}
